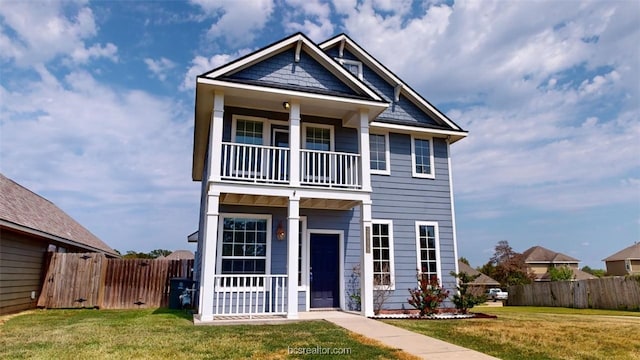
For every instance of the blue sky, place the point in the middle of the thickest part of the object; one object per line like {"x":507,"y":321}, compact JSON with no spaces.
{"x":97,"y":98}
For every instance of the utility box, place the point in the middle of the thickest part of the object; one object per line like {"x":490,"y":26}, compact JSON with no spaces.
{"x":177,"y":288}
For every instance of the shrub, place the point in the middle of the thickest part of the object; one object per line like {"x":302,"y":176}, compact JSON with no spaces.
{"x":428,"y":295}
{"x":464,"y":299}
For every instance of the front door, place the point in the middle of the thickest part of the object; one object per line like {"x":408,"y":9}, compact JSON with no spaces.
{"x":324,"y":270}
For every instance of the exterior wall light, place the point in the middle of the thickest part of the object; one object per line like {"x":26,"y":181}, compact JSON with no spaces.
{"x":280,"y":234}
{"x":286,"y":105}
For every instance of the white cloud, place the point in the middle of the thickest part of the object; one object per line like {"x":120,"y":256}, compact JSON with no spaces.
{"x":159,"y":67}
{"x":40,"y":32}
{"x":201,"y":64}
{"x":309,"y":17}
{"x":237,"y":22}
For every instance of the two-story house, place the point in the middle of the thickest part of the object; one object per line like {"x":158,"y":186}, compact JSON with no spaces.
{"x":324,"y":177}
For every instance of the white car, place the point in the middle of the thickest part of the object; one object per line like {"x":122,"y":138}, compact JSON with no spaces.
{"x":496,"y":294}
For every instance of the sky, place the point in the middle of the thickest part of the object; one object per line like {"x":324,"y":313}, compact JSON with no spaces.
{"x":97,"y":108}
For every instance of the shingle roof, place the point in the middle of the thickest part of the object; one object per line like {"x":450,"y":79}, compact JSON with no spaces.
{"x":24,"y":208}
{"x":631,"y":252}
{"x":540,"y":254}
{"x":179,"y":255}
{"x":480,"y":280}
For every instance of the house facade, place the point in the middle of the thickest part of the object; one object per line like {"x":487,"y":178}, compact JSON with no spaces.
{"x":624,"y":262}
{"x":324,"y":178}
{"x":31,"y":226}
{"x":539,"y":260}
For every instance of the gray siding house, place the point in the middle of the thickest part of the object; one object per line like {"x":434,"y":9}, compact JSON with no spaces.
{"x":325,"y":178}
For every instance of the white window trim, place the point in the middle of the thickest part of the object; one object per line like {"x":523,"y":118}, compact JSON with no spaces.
{"x":438,"y":256}
{"x":267,"y":262}
{"x":432,"y":175}
{"x":352,"y":62}
{"x":387,"y":156}
{"x":304,"y":252}
{"x":320,"y":126}
{"x":392,"y":273}
{"x":266,"y":127}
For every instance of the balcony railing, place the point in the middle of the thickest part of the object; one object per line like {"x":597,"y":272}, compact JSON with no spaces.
{"x":270,"y":164}
{"x":255,"y":163}
{"x":249,"y":295}
{"x":329,"y":169}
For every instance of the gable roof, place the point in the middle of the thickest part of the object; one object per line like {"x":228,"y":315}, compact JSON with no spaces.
{"x":480,"y":280}
{"x":26,"y":211}
{"x":631,"y":252}
{"x":345,"y":42}
{"x":539,"y":254}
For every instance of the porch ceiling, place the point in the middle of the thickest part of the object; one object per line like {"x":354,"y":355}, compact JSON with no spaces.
{"x":281,"y":201}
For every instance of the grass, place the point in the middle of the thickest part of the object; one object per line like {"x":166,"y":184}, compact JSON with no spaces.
{"x":167,"y":334}
{"x":540,"y":333}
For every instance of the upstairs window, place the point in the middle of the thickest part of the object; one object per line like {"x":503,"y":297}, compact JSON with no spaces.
{"x":318,"y":137}
{"x":422,"y":157}
{"x":249,"y":132}
{"x":353,"y":66}
{"x":379,"y":154}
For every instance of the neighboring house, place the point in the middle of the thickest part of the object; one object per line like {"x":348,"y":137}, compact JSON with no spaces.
{"x":539,"y":260}
{"x":481,"y":283}
{"x":318,"y":164}
{"x":624,"y":262}
{"x":31,"y":225}
{"x":179,"y":255}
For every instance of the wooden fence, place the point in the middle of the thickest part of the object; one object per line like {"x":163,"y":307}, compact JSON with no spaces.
{"x":622,"y":293}
{"x":92,"y":281}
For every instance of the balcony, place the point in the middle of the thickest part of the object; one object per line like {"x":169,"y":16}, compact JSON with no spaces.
{"x":271,"y":165}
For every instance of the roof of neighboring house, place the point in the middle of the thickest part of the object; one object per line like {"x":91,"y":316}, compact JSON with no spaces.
{"x":480,"y":280}
{"x":23,"y":210}
{"x":539,"y":254}
{"x":180,"y":255}
{"x":631,"y":252}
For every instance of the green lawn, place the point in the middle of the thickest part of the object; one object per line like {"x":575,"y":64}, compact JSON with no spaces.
{"x":165,"y":334}
{"x":540,"y":333}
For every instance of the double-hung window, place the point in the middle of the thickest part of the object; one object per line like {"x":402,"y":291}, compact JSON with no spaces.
{"x":244,"y":249}
{"x":422,"y":157}
{"x":379,"y":153}
{"x":428,"y":249}
{"x":382,"y":236}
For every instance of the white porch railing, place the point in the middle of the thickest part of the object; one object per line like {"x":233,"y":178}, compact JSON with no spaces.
{"x":242,"y":295}
{"x":255,"y":163}
{"x":330,"y":169}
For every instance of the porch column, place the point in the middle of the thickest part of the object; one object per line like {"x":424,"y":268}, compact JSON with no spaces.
{"x":294,"y":143}
{"x":208,"y":266}
{"x":365,"y":155}
{"x":366,"y":261}
{"x":215,"y":136}
{"x":292,"y":257}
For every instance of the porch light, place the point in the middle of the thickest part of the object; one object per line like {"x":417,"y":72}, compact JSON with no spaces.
{"x":280,"y":234}
{"x":286,"y":105}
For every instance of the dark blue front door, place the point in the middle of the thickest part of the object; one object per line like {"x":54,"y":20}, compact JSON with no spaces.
{"x":324,"y":270}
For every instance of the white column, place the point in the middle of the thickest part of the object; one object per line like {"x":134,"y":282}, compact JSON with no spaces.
{"x":294,"y":143}
{"x":292,"y":257}
{"x":365,"y":155}
{"x":215,"y":136}
{"x":208,"y":266}
{"x":366,"y":261}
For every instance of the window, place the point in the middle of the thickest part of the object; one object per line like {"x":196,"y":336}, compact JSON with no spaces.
{"x":382,"y":236}
{"x":353,"y":66}
{"x":244,"y":245}
{"x":249,"y":132}
{"x":422,"y":158}
{"x":318,"y":137}
{"x":428,"y":247}
{"x":379,"y":154}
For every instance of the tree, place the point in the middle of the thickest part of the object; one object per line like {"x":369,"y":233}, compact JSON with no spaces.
{"x":159,"y":252}
{"x":464,"y":260}
{"x":154,"y":254}
{"x":561,"y":273}
{"x":595,"y":272}
{"x":507,"y":266}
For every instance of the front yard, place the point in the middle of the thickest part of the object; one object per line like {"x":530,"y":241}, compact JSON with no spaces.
{"x":540,"y":333}
{"x":165,"y":334}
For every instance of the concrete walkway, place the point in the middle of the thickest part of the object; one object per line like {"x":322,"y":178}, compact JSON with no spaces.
{"x":419,"y":345}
